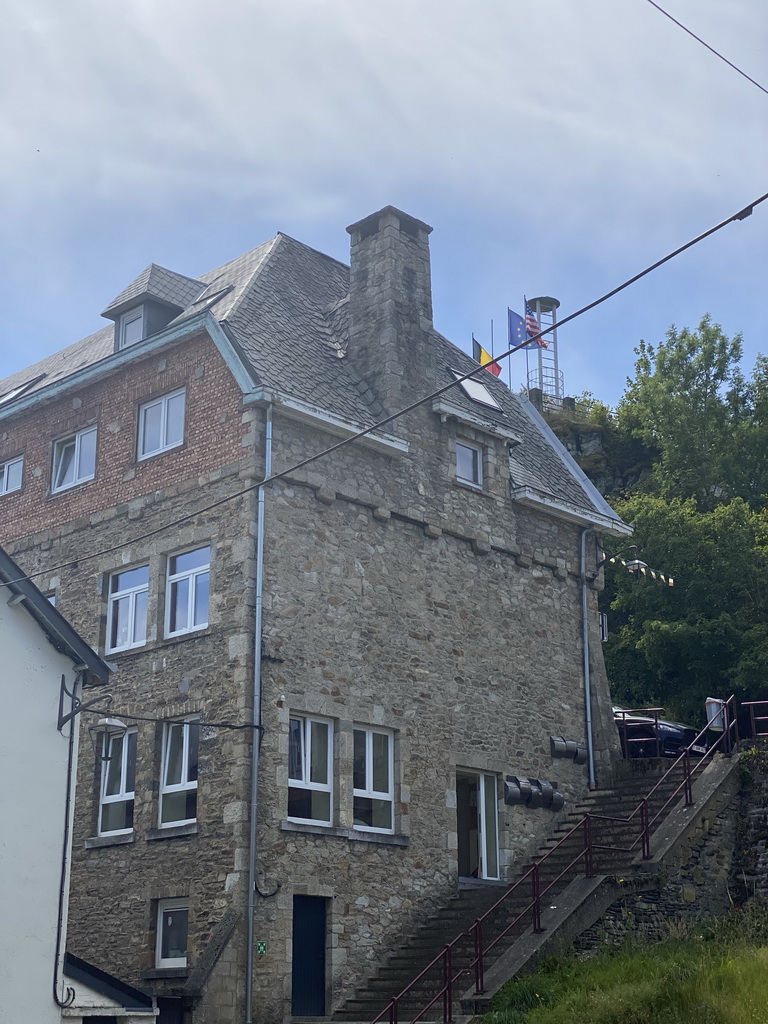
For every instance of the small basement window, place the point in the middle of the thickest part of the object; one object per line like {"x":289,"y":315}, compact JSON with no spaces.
{"x":478,"y":392}
{"x":172,"y":929}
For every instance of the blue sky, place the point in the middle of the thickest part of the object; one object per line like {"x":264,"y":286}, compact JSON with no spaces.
{"x":556,"y":147}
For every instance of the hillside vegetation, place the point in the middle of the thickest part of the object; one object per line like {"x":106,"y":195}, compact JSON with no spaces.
{"x":713,"y":974}
{"x":684,"y":457}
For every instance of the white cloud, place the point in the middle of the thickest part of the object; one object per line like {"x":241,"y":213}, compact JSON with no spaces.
{"x":595,"y":134}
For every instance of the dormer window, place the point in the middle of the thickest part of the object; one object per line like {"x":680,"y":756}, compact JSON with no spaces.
{"x":131,"y":327}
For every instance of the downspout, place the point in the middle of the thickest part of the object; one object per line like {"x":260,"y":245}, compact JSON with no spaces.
{"x":256,"y":732}
{"x":585,"y":653}
{"x":68,"y":992}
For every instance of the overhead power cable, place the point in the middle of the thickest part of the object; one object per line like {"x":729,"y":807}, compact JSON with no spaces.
{"x":741,"y":215}
{"x":112,"y":713}
{"x":710,"y":48}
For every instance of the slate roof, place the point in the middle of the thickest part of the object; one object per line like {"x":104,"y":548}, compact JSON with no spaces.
{"x":61,"y":634}
{"x":285,"y":306}
{"x":158,"y":283}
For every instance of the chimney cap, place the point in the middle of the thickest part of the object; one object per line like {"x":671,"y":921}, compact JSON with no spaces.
{"x":373,"y":222}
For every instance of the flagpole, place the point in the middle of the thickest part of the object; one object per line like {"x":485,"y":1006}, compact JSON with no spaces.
{"x":492,"y":352}
{"x":509,"y":345}
{"x":527,"y":368}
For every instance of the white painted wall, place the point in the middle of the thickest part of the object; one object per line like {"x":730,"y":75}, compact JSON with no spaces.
{"x":33,"y":784}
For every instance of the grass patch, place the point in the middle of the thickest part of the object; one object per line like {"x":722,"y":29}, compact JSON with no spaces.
{"x":713,"y":974}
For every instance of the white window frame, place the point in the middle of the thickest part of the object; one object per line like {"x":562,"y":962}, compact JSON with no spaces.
{"x":58,"y":449}
{"x":163,"y":906}
{"x":127,"y":318}
{"x":186,"y":785}
{"x":4,"y":468}
{"x":124,"y":794}
{"x":478,"y":453}
{"x":131,"y":594}
{"x":165,"y":445}
{"x":306,"y":761}
{"x":177,"y":577}
{"x":369,"y":793}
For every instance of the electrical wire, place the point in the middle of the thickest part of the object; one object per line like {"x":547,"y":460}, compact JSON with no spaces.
{"x":112,"y":713}
{"x":710,"y":48}
{"x":741,"y":215}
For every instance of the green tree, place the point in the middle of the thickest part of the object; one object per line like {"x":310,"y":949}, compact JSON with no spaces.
{"x":708,"y":634}
{"x":683,"y":401}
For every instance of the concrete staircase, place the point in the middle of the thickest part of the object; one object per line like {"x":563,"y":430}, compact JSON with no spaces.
{"x":408,"y":960}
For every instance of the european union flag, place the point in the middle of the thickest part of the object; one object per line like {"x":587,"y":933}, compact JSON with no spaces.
{"x":516,"y":328}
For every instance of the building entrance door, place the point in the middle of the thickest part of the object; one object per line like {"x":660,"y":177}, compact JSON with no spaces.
{"x":477,"y":825}
{"x":308,"y":968}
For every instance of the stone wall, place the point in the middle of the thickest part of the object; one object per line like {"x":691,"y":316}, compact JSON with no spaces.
{"x":394,"y":597}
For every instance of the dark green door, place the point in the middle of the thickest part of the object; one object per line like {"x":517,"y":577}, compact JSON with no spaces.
{"x":308,"y":971}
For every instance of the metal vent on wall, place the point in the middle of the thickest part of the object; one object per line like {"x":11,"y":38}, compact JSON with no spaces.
{"x":532,"y":793}
{"x":559,"y":746}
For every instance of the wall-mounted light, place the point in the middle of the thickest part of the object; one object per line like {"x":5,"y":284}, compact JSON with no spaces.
{"x":106,"y":729}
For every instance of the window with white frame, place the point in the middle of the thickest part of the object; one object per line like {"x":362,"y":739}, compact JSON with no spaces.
{"x":131,"y":327}
{"x":10,"y":475}
{"x":310,"y":760}
{"x":373,"y":780}
{"x":186,"y":599}
{"x":118,"y":781}
{"x":161,"y":424}
{"x":178,"y":776}
{"x":127,"y":612}
{"x":469,"y":464}
{"x":172,"y":933}
{"x":74,"y":459}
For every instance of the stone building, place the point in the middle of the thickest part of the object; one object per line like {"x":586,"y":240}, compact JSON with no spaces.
{"x":400,"y":625}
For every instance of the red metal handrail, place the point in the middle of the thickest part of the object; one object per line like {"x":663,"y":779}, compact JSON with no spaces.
{"x":728,"y":740}
{"x":753,"y":718}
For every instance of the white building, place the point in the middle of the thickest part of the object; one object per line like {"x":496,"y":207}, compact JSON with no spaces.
{"x":44,"y":667}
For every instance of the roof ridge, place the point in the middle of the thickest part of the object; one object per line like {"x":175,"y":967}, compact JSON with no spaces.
{"x":272,"y":245}
{"x":310,"y":248}
{"x":169,"y":270}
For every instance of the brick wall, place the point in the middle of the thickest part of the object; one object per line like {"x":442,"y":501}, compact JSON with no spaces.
{"x":212,"y":438}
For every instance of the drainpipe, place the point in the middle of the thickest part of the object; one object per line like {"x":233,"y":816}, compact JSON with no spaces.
{"x":68,"y":993}
{"x":256,"y":732}
{"x":585,"y":652}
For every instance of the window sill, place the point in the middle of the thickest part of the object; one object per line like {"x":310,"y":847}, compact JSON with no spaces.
{"x":385,"y":838}
{"x":172,"y":831}
{"x":140,"y":459}
{"x":70,"y":488}
{"x":153,"y":973}
{"x":475,"y":488}
{"x":117,"y":840}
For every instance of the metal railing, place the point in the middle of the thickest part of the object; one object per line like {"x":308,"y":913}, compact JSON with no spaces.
{"x":443,"y":971}
{"x":756,"y":720}
{"x":628,"y":717}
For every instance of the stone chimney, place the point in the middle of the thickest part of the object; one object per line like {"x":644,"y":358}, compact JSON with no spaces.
{"x":390,"y":306}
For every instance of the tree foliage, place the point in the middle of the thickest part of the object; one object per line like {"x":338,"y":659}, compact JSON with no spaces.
{"x":696,"y":491}
{"x":682,"y":401}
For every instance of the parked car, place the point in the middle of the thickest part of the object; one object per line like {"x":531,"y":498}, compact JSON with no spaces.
{"x":645,"y":735}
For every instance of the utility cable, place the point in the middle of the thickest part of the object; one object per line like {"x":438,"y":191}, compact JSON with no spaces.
{"x":741,"y":215}
{"x":112,"y":713}
{"x":710,"y":48}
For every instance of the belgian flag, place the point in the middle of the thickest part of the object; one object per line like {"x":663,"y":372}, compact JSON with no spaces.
{"x":481,"y":356}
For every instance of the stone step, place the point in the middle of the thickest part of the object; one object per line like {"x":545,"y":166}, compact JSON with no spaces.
{"x":558,"y":856}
